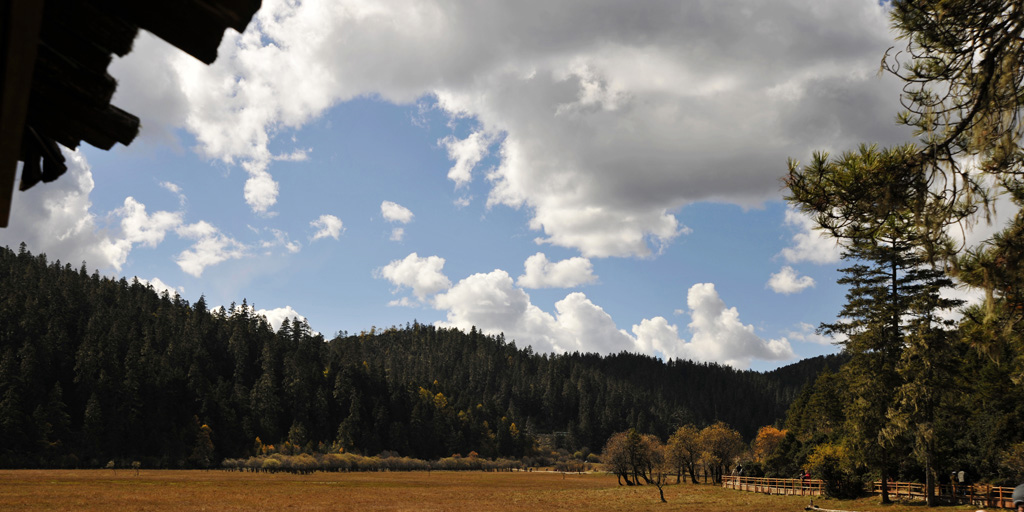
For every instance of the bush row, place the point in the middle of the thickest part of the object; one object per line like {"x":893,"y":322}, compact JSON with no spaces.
{"x":306,"y":463}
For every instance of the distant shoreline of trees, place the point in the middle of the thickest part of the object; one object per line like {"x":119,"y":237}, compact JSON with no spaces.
{"x":94,"y":369}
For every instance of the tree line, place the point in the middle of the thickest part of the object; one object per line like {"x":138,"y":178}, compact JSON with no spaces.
{"x":94,"y":369}
{"x":926,"y":393}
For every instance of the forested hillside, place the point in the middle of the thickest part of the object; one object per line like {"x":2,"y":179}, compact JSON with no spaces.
{"x":94,"y":369}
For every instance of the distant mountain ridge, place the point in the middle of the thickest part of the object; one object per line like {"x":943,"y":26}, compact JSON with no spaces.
{"x":94,"y":369}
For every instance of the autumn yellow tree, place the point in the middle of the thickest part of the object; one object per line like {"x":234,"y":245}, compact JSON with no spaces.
{"x":616,"y":457}
{"x":767,"y":440}
{"x":632,"y":456}
{"x":660,"y":466}
{"x":721,"y":444}
{"x":683,"y":451}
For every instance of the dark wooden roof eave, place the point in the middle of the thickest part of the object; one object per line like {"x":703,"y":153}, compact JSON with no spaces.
{"x":55,"y":87}
{"x":19,"y":39}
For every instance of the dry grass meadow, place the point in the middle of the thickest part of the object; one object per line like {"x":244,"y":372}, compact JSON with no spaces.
{"x":179,"y":491}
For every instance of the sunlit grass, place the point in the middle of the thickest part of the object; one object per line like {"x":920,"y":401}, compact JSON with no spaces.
{"x":178,"y":491}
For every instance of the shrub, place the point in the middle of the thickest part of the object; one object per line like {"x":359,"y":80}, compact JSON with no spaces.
{"x":832,"y":464}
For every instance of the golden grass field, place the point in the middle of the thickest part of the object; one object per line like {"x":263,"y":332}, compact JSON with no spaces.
{"x":179,"y":491}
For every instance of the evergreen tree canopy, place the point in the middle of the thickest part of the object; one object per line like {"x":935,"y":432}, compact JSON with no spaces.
{"x":95,"y":369}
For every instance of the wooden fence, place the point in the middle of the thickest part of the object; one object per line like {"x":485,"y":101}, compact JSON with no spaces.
{"x":790,"y":486}
{"x":978,"y":495}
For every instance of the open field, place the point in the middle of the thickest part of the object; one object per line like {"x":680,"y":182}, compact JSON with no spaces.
{"x":178,"y":491}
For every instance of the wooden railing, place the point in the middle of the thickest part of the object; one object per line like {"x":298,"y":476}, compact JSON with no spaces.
{"x":790,"y":486}
{"x":978,"y":494}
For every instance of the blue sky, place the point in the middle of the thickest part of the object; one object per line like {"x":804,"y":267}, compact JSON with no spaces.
{"x":367,"y":164}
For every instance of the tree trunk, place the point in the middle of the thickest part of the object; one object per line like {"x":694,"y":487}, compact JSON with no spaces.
{"x":929,"y":480}
{"x":885,"y":486}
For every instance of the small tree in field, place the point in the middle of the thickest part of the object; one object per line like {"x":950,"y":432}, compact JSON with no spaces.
{"x":684,"y":451}
{"x":630,"y":455}
{"x":616,"y":457}
{"x":661,"y":468}
{"x":721,"y":445}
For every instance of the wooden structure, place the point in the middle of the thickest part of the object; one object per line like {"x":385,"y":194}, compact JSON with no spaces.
{"x":786,"y":486}
{"x":978,"y":495}
{"x":54,"y":85}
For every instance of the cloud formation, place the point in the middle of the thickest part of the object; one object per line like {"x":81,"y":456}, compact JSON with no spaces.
{"x":717,"y":334}
{"x":55,"y":218}
{"x":806,"y":332}
{"x":788,"y":282}
{"x":275,"y":317}
{"x":466,"y":153}
{"x":149,"y":230}
{"x":605,"y":118}
{"x":280,"y":239}
{"x":160,"y":287}
{"x":809,"y":244}
{"x":210,"y":248}
{"x":176,"y":190}
{"x":494,"y":304}
{"x":541,"y":273}
{"x":424,"y":276}
{"x":327,"y":226}
{"x":394,"y":212}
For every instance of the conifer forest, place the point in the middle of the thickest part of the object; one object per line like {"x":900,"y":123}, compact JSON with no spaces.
{"x":101,"y":371}
{"x":95,"y":369}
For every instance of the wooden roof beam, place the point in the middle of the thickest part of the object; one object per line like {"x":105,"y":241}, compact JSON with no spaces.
{"x":19,"y":38}
{"x":194,"y":26}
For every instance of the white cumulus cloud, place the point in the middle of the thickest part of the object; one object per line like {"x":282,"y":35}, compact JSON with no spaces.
{"x":809,"y":244}
{"x":424,"y":276}
{"x":807,"y":333}
{"x":606,"y":117}
{"x":394,"y":212}
{"x":541,"y":273}
{"x":277,"y":316}
{"x":139,"y":227}
{"x":466,"y":153}
{"x":494,"y":304}
{"x":159,"y":286}
{"x":787,"y":281}
{"x":717,"y":334}
{"x":327,"y":226}
{"x":260,"y":189}
{"x":55,"y":218}
{"x":210,"y":248}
